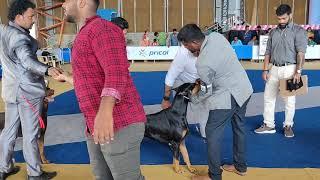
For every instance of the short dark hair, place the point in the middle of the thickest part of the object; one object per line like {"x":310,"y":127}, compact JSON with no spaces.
{"x":189,"y":33}
{"x":174,"y":29}
{"x":18,"y":7}
{"x":283,"y":9}
{"x":120,"y":22}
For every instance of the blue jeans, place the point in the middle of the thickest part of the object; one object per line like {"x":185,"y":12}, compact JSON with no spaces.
{"x":214,"y":131}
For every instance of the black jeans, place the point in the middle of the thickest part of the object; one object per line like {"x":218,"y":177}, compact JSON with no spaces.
{"x":214,"y":131}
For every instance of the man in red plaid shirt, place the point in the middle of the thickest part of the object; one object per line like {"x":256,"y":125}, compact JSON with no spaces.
{"x":107,"y":96}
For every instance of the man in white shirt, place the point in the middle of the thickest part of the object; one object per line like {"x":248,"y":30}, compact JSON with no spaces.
{"x":183,"y":70}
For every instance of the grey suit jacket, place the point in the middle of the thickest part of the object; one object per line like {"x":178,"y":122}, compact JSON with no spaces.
{"x":219,"y":67}
{"x":22,"y":73}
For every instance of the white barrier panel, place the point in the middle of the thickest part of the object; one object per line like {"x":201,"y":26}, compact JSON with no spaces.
{"x":313,"y":52}
{"x":152,"y":53}
{"x":255,"y":53}
{"x":168,"y":53}
{"x":263,"y":45}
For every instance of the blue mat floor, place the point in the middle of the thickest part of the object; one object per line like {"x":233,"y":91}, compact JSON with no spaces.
{"x":263,"y":150}
{"x":150,"y":86}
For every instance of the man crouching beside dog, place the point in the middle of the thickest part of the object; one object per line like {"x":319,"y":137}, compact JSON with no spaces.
{"x":225,"y":90}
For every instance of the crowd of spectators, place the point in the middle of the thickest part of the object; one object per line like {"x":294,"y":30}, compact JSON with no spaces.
{"x":251,"y":36}
{"x":160,"y":39}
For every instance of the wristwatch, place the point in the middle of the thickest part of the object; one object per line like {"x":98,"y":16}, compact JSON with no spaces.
{"x":299,"y":71}
{"x":47,"y":71}
{"x":166,"y":98}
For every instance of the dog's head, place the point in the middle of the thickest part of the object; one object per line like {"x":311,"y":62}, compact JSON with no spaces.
{"x":182,"y":98}
{"x":184,"y":89}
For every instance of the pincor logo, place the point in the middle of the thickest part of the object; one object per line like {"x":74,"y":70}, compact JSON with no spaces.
{"x":158,"y":53}
{"x":143,"y":53}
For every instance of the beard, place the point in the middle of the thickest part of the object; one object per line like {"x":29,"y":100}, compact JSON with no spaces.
{"x":30,"y":26}
{"x":283,"y":26}
{"x":70,"y":19}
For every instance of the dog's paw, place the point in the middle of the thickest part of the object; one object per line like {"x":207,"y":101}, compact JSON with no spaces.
{"x":192,"y":170}
{"x":179,"y":170}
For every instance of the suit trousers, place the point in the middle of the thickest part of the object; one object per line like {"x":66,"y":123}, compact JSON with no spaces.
{"x":24,"y":112}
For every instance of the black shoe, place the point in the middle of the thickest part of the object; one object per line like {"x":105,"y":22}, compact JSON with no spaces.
{"x":14,"y":170}
{"x":43,"y":176}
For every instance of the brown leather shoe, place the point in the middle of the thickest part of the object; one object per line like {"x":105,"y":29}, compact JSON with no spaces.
{"x":231,"y":168}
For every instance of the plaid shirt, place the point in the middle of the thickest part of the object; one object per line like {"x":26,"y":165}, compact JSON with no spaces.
{"x":100,"y":68}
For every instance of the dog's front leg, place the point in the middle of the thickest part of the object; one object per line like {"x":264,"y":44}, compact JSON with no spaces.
{"x":176,"y":166}
{"x":176,"y":157}
{"x":185,"y":155}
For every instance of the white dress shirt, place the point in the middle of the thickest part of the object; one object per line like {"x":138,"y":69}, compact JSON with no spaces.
{"x":182,"y":69}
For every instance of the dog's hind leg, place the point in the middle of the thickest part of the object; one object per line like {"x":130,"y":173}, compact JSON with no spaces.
{"x":185,"y":155}
{"x":41,"y":150}
{"x":42,"y":133}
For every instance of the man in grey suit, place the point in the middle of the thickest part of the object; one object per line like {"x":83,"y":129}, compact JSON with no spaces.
{"x":225,"y":90}
{"x":23,"y":90}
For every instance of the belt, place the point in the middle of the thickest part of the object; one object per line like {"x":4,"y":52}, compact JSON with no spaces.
{"x":284,"y":64}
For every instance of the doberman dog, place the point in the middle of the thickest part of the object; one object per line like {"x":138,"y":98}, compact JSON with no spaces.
{"x":44,"y":115}
{"x":170,"y":126}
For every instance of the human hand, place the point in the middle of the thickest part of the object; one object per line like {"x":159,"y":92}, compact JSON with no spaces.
{"x":265,"y":75}
{"x":165,"y":104}
{"x":103,"y":128}
{"x":54,"y":72}
{"x":296,"y":78}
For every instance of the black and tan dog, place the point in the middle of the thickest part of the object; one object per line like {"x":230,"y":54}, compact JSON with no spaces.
{"x":170,"y":126}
